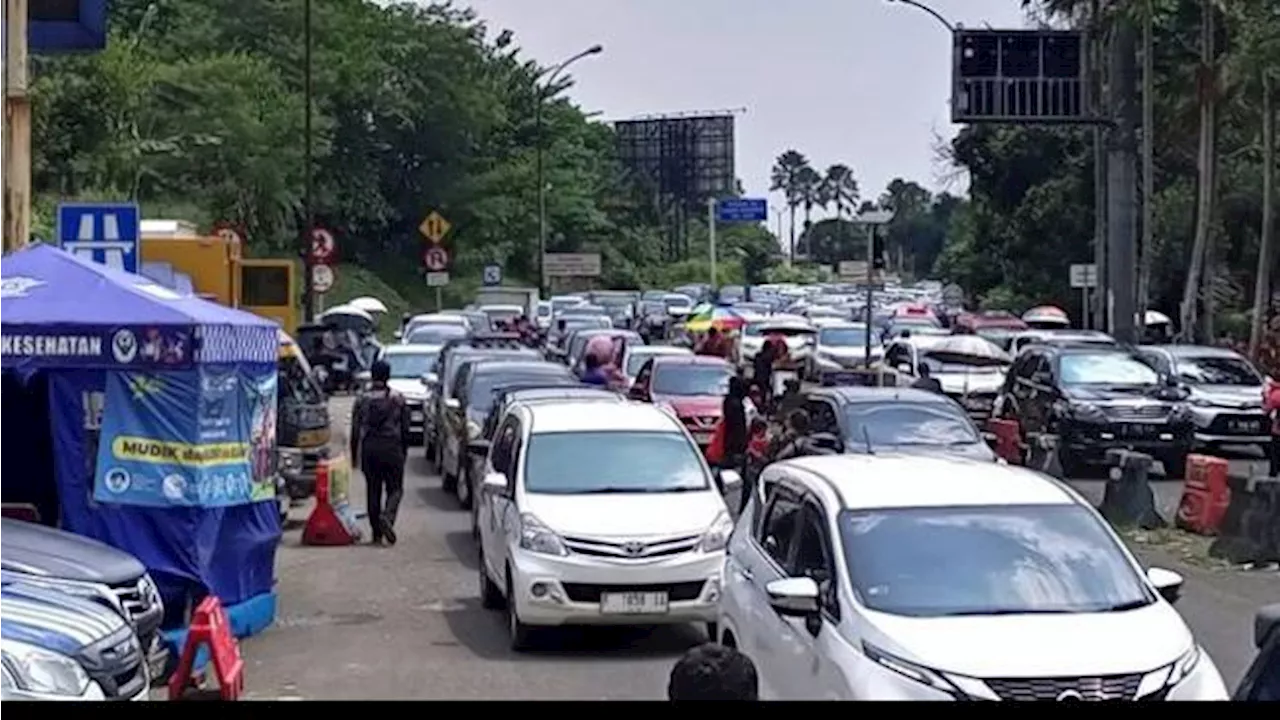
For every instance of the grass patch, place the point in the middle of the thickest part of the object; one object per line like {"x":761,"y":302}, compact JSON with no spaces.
{"x":1184,"y":546}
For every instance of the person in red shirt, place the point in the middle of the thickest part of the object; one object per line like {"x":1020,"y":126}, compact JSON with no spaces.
{"x":714,"y":344}
{"x":1271,"y":404}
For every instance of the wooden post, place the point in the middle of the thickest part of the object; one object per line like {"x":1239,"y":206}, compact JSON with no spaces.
{"x":17,"y":129}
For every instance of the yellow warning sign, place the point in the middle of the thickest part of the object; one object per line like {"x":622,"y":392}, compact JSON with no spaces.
{"x":434,"y":227}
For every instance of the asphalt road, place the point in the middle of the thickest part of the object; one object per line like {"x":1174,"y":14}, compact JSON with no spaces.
{"x":405,"y":622}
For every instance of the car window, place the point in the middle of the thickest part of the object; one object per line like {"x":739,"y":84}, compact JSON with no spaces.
{"x":604,"y":462}
{"x":778,"y":528}
{"x":932,"y":424}
{"x":986,"y":560}
{"x":842,"y":337}
{"x":410,"y":365}
{"x":635,"y":361}
{"x":1217,"y":371}
{"x":1105,"y":369}
{"x":690,"y":380}
{"x":483,"y":389}
{"x":503,"y":445}
{"x":435,"y":334}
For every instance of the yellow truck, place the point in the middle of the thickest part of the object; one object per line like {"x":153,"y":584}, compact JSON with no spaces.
{"x":215,"y":267}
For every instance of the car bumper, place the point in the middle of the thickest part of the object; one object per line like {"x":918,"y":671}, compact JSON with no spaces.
{"x":1229,"y":426}
{"x":417,"y":423}
{"x":1088,"y":442}
{"x":568,"y":590}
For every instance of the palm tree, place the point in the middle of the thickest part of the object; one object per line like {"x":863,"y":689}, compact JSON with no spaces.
{"x":809,"y":192}
{"x":840,"y":189}
{"x":785,"y":178}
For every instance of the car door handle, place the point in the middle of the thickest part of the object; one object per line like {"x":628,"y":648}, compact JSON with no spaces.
{"x":745,"y":574}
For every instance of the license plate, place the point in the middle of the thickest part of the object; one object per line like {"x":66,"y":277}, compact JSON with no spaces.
{"x":415,"y":416}
{"x":1245,"y":426}
{"x":634,"y":603}
{"x":1139,"y":429}
{"x":702,"y":438}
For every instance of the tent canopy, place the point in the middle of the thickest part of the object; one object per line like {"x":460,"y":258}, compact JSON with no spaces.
{"x":61,"y":311}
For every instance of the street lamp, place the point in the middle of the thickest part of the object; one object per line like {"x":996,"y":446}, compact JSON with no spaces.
{"x":936,"y":15}
{"x":540,"y":97}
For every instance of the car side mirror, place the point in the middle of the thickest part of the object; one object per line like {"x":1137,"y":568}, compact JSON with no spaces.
{"x":453,"y":404}
{"x":794,"y":597}
{"x":397,"y":335}
{"x":478,"y":447}
{"x":730,"y":479}
{"x":991,"y":439}
{"x":495,"y":484}
{"x":1166,"y":582}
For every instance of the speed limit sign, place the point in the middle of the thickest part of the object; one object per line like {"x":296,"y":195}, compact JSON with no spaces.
{"x":322,"y":278}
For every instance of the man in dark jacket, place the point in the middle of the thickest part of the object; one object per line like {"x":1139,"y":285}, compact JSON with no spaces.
{"x":762,"y":374}
{"x":734,"y":414}
{"x":926,"y":381}
{"x":379,"y":444}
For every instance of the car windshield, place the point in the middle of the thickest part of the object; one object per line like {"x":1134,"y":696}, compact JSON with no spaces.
{"x":485,"y":388}
{"x":436,"y":334}
{"x":1217,"y":371}
{"x":908,"y":424}
{"x":842,"y":337}
{"x":997,"y":560}
{"x":574,"y":463}
{"x":676,"y":302}
{"x":411,"y":365}
{"x":692,"y":380}
{"x":1105,"y":369}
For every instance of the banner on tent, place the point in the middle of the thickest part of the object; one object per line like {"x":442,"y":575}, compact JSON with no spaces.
{"x":94,"y":347}
{"x":203,"y":437}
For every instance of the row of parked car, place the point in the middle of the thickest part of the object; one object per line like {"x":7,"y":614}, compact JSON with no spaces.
{"x":81,"y":620}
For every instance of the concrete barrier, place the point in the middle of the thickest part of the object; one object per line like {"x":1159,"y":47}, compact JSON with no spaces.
{"x":1250,"y":530}
{"x":1042,"y":454}
{"x":1128,"y":500}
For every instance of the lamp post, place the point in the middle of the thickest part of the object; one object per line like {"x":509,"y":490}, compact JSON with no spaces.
{"x":308,"y":170}
{"x":925,"y":8}
{"x":540,"y":97}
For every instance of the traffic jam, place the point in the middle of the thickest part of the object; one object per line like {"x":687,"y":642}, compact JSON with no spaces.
{"x":817,"y":491}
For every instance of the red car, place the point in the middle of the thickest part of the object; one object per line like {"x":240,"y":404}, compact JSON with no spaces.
{"x":694,"y":386}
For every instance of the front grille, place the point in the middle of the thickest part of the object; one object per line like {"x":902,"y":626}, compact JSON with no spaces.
{"x":137,"y":599}
{"x":676,"y":592}
{"x":1234,"y":424}
{"x":1138,"y":412}
{"x":1115,"y":687}
{"x":705,"y":422}
{"x":632,"y":550}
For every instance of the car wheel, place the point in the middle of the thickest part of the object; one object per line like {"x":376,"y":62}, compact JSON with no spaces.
{"x":713,"y":632}
{"x":490,"y":595}
{"x":521,"y":634}
{"x":475,"y":520}
{"x":449,"y":481}
{"x":464,"y":490}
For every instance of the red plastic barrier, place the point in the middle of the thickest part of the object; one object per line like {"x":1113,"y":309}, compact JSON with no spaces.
{"x":323,"y":525}
{"x":210,"y":628}
{"x":1205,"y":495}
{"x":1008,"y":439}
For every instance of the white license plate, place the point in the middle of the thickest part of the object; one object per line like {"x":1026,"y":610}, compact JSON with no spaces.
{"x":415,"y":416}
{"x":702,"y":438}
{"x":1245,"y":426}
{"x":633,"y":603}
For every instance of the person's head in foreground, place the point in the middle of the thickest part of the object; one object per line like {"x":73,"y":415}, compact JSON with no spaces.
{"x":713,"y":672}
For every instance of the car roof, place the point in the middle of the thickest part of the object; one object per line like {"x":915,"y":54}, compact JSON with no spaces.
{"x":576,"y":416}
{"x":441,"y":318}
{"x":527,"y":393}
{"x":858,"y":394}
{"x":659,"y":350}
{"x":665,"y":360}
{"x":864,"y":482}
{"x":487,"y":366}
{"x":1199,"y":351}
{"x":411,"y":349}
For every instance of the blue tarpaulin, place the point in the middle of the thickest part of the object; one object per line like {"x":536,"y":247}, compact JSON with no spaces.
{"x":106,"y":340}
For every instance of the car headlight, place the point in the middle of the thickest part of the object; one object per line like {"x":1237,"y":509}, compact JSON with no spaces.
{"x":717,"y":536}
{"x":1169,"y":676}
{"x":912,"y":671}
{"x":537,"y":537}
{"x":37,"y":670}
{"x":1202,"y":402}
{"x":473,"y":430}
{"x":1086,"y":412}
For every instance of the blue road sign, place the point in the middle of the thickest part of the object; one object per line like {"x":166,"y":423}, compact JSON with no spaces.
{"x":106,"y":233}
{"x":742,"y":210}
{"x":492,"y":275}
{"x":67,"y":26}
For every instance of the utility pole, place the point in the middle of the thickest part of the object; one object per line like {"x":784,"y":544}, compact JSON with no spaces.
{"x":1148,"y":165}
{"x":1122,"y":179}
{"x":308,"y":208}
{"x":1097,"y":56}
{"x":17,"y":129}
{"x":711,"y":237}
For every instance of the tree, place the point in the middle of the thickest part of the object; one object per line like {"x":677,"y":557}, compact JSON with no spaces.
{"x":786,"y":178}
{"x":809,"y":192}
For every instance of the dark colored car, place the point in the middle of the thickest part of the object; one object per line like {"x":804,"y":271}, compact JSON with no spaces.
{"x":1097,"y":398}
{"x":80,"y":566}
{"x":441,"y":384}
{"x":471,"y":401}
{"x":1262,"y":680}
{"x":901,"y":420}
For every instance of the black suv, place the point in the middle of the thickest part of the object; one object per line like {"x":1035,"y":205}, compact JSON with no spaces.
{"x":1095,"y":398}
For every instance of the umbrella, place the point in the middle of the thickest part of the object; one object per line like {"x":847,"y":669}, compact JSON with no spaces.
{"x":720,"y":317}
{"x":368,"y":304}
{"x":346,"y":317}
{"x":968,"y":349}
{"x":1046,"y":314}
{"x":1155,"y":317}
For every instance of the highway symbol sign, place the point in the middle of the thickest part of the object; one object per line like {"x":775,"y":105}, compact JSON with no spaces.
{"x":436,"y":259}
{"x":742,"y":210}
{"x":105,"y":233}
{"x":322,"y":278}
{"x":434,"y":227}
{"x":437,"y":279}
{"x":323,"y":247}
{"x":492,"y":275}
{"x":1084,"y":276}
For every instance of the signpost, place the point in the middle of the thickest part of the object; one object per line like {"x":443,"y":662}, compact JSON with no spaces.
{"x":873,"y":221}
{"x":434,"y":227}
{"x":105,"y":233}
{"x":322,"y":278}
{"x":572,"y":264}
{"x":1084,"y":277}
{"x":323,"y":248}
{"x":436,"y":259}
{"x":492,"y":275}
{"x":953,"y":295}
{"x":732,"y":210}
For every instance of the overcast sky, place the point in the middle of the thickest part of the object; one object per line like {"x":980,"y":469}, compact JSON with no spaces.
{"x":859,"y":82}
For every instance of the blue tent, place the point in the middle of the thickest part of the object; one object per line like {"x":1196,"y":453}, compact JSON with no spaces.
{"x":161,"y":409}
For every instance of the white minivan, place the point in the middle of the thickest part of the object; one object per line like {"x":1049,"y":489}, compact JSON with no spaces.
{"x":599,"y":514}
{"x":915,"y":578}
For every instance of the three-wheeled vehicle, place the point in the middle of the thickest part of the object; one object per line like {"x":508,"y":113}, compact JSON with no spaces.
{"x":302,"y":426}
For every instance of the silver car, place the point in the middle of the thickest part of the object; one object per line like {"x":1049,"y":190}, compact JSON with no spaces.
{"x":1225,"y":392}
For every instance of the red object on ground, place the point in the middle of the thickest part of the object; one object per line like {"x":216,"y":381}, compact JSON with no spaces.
{"x":210,"y":628}
{"x":1205,"y":495}
{"x":323,"y":525}
{"x":1008,"y":439}
{"x":25,"y":512}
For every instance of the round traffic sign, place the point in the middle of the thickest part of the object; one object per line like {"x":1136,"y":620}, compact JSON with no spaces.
{"x":436,"y":259}
{"x":323,"y":246}
{"x":322,"y":278}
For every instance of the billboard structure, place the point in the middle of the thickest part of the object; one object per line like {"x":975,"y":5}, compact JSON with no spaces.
{"x":682,"y":160}
{"x":1020,"y":77}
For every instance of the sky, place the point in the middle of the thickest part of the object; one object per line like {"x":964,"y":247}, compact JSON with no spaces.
{"x":859,"y":82}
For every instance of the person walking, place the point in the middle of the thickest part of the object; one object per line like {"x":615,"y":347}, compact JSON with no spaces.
{"x":379,"y":445}
{"x":733,"y":414}
{"x":762,"y":375}
{"x":713,"y":672}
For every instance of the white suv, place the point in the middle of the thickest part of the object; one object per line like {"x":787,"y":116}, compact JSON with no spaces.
{"x":910,"y":578}
{"x":596,"y":513}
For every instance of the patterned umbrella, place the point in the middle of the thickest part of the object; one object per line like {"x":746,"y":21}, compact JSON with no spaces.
{"x":720,"y":317}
